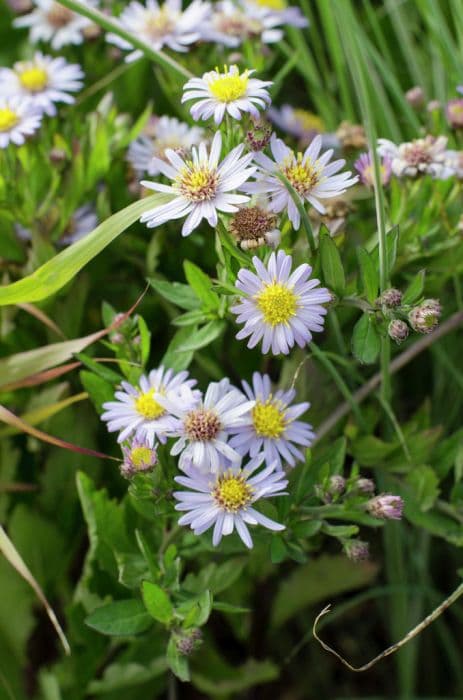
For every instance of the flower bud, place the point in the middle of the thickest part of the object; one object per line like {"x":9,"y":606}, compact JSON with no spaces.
{"x":357,"y":550}
{"x":415,"y":97}
{"x":398,"y":330}
{"x":386,"y":506}
{"x":337,"y":484}
{"x":365,"y":485}
{"x":425,"y":317}
{"x":433,"y":106}
{"x":188,"y":643}
{"x":391,"y":298}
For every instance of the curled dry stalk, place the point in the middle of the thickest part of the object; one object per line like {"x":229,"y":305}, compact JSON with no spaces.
{"x":429,"y":619}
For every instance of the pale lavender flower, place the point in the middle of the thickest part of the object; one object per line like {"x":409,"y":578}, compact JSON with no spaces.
{"x":18,"y":120}
{"x":139,"y":457}
{"x":226,"y":500}
{"x":386,"y":506}
{"x":203,"y":428}
{"x":228,"y":92}
{"x":311,"y":175}
{"x":279,"y":307}
{"x":137,"y":409}
{"x":364,"y":167}
{"x":454,"y":112}
{"x":201,"y":186}
{"x":424,"y":156}
{"x":273,"y":427}
{"x":297,"y":122}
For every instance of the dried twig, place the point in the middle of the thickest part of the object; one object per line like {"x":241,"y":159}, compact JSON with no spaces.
{"x":394,"y":647}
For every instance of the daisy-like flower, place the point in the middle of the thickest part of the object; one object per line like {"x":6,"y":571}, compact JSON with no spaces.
{"x":232,"y":23}
{"x":280,"y":308}
{"x":454,"y":161}
{"x":18,"y":120}
{"x":364,"y":167}
{"x":226,"y":500}
{"x":137,"y":409}
{"x":425,"y":156}
{"x":230,"y":92}
{"x":273,"y":427}
{"x":45,"y":80}
{"x":82,"y":222}
{"x":161,"y":25}
{"x":54,"y":23}
{"x":297,"y":122}
{"x":139,"y":458}
{"x":201,"y":186}
{"x":311,"y":175}
{"x":165,"y":132}
{"x":203,"y":430}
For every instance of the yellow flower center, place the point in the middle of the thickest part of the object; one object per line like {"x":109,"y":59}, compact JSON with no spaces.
{"x":197,"y":183}
{"x":309,"y":121}
{"x":33,"y":79}
{"x":147,"y":407}
{"x":271,"y":4}
{"x":268,"y":419}
{"x":277,"y":303}
{"x":202,"y":425}
{"x":231,"y":492}
{"x":8,"y":119}
{"x":302,"y":174}
{"x":141,"y":457}
{"x":159,"y":24}
{"x":227,"y":88}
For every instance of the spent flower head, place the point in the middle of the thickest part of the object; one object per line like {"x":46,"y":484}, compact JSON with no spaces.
{"x":278,"y":306}
{"x":225,"y":500}
{"x":254,"y":226}
{"x":386,"y":506}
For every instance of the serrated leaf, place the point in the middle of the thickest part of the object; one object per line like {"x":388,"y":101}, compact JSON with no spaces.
{"x":120,"y":619}
{"x":366,"y":342}
{"x":331,"y":264}
{"x":157,"y":602}
{"x":369,"y":275}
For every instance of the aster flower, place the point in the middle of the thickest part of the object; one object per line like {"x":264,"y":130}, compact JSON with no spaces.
{"x":454,"y":112}
{"x":454,"y":161}
{"x":364,"y":167}
{"x":139,"y":458}
{"x":18,"y":120}
{"x":161,"y":25}
{"x":164,"y":132}
{"x":54,"y":23}
{"x":273,"y":427}
{"x":232,"y":23}
{"x":311,"y":175}
{"x":299,"y":123}
{"x":201,"y":186}
{"x":45,"y":80}
{"x":425,"y":156}
{"x":226,"y":500}
{"x":203,"y":429}
{"x":82,"y":222}
{"x":137,"y":409}
{"x":280,"y":308}
{"x":230,"y":92}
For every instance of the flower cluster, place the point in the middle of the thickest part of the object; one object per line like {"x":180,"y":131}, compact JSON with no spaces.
{"x":211,"y":434}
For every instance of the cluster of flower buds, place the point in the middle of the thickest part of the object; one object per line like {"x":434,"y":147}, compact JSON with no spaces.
{"x":187,"y":642}
{"x":422,"y":318}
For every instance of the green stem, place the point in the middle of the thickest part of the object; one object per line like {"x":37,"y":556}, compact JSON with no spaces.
{"x":111,"y":25}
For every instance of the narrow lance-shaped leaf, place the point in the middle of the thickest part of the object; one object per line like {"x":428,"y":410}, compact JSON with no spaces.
{"x":365,"y":340}
{"x":332,"y":269}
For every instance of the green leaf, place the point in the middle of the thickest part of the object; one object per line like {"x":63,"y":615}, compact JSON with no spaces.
{"x":366,"y":342}
{"x":332,"y":269}
{"x":415,"y":288}
{"x":178,"y":360}
{"x":229,"y":608}
{"x":278,"y":551}
{"x":121,"y":676}
{"x":145,"y":340}
{"x":179,"y":294}
{"x":369,"y":275}
{"x":178,"y":664}
{"x":196,"y":611}
{"x":206,"y":335}
{"x":120,"y":619}
{"x":201,"y":285}
{"x":425,"y":486}
{"x":233,"y":681}
{"x":97,"y":388}
{"x":392,"y":242}
{"x":55,"y":273}
{"x":190,"y":318}
{"x":318,"y":580}
{"x":157,"y":602}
